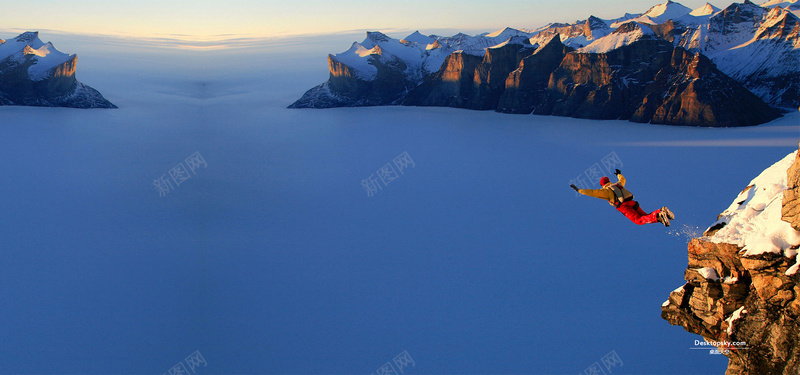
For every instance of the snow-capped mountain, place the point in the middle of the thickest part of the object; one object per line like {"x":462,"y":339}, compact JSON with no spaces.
{"x":756,"y":45}
{"x":705,"y":10}
{"x":36,"y":73}
{"x":663,"y":12}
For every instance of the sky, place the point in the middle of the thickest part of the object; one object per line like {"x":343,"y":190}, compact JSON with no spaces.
{"x":207,"y":18}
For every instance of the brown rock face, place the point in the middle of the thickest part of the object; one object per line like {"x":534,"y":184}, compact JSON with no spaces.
{"x":451,"y":86}
{"x":389,"y":86}
{"x":468,"y":81}
{"x":786,"y":27}
{"x":651,"y":81}
{"x":791,"y":196}
{"x":492,"y":72}
{"x":745,"y":299}
{"x":525,"y":87}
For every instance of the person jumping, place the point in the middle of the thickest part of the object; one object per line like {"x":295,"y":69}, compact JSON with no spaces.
{"x":618,"y":196}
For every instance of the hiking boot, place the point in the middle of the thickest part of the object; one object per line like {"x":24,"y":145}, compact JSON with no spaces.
{"x":663,"y":218}
{"x":667,"y":212}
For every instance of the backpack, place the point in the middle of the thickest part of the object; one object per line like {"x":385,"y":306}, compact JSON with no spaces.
{"x":621,"y":194}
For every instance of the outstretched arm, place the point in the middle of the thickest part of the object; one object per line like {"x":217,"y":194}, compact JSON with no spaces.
{"x":604,"y":194}
{"x":620,"y":177}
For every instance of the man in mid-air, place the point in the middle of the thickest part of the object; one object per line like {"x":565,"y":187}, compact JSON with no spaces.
{"x":618,"y":196}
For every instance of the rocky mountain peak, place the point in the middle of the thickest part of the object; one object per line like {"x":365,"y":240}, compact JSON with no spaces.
{"x":27,"y":37}
{"x":780,"y":24}
{"x":629,"y":27}
{"x":377,"y":36}
{"x":738,"y":13}
{"x":37,"y":74}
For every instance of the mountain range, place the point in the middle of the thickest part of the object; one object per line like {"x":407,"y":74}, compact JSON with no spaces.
{"x":35,"y":73}
{"x":709,"y":66}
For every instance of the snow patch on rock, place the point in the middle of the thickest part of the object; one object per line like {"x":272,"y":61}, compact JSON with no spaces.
{"x":753,"y":220}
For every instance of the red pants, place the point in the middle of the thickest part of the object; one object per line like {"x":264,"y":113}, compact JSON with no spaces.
{"x":632,"y":211}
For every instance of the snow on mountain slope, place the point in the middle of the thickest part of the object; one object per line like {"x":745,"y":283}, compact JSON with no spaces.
{"x":705,"y":10}
{"x":663,"y":12}
{"x":624,"y":35}
{"x":656,"y":15}
{"x":44,"y":55}
{"x":17,"y":44}
{"x":513,"y":40}
{"x":417,"y":37}
{"x":779,"y":3}
{"x":698,"y":18}
{"x":756,"y":45}
{"x":733,"y":26}
{"x":357,"y":57}
{"x":378,"y":47}
{"x":411,"y":54}
{"x":753,"y":220}
{"x":47,"y":57}
{"x":575,"y":35}
{"x":707,"y":29}
{"x":504,"y":34}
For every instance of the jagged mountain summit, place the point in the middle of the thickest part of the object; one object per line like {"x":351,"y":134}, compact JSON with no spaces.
{"x":705,"y":10}
{"x":664,"y":12}
{"x":753,"y":55}
{"x":35,"y":73}
{"x":742,"y":290}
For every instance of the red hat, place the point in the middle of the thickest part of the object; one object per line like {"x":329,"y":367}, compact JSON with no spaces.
{"x":604,"y":181}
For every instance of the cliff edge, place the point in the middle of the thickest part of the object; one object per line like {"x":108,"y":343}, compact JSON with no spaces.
{"x":742,"y":291}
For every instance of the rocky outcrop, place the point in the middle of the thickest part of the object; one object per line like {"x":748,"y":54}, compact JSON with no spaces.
{"x":33,"y":73}
{"x":790,"y":211}
{"x":744,"y":303}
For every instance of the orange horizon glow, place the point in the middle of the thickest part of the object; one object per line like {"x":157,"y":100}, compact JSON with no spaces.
{"x":208,"y":21}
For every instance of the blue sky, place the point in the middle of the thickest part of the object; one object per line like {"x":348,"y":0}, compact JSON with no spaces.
{"x":203,"y":18}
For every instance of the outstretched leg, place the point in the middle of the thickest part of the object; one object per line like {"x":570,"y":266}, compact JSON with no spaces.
{"x":639,"y":209}
{"x":636,"y":214}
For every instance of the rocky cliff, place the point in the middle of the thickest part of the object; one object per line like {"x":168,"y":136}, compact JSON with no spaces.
{"x":468,"y":81}
{"x":527,"y":86}
{"x":647,"y":81}
{"x":742,"y":291}
{"x":36,"y":74}
{"x":653,"y":82}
